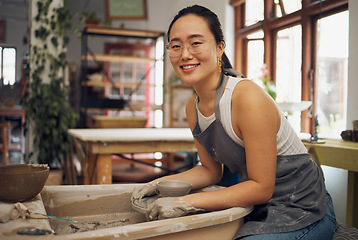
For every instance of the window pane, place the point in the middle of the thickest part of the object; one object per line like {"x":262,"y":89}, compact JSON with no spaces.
{"x":331,"y":74}
{"x":292,"y":5}
{"x":9,"y":62}
{"x":255,"y":58}
{"x":288,"y":70}
{"x":254,"y":11}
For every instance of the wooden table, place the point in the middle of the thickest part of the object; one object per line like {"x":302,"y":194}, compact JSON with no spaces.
{"x":10,"y":112}
{"x":95,"y":147}
{"x":341,"y":154}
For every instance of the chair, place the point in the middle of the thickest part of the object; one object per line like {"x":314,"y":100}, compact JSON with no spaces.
{"x":345,"y":232}
{"x":5,"y":129}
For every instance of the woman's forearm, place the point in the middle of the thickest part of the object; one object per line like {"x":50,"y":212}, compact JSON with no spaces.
{"x":199,"y":176}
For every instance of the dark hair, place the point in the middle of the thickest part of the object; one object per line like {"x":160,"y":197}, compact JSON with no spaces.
{"x":213,"y":24}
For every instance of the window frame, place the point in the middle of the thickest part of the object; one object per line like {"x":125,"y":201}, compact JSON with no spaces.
{"x":307,"y":17}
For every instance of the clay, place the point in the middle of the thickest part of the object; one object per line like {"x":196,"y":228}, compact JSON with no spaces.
{"x":9,"y":229}
{"x":146,"y":190}
{"x":22,"y":182}
{"x":8,"y":212}
{"x":86,"y":223}
{"x":173,"y":188}
{"x":22,"y":209}
{"x":170,"y":207}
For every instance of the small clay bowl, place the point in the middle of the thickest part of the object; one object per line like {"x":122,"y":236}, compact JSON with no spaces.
{"x":173,"y":188}
{"x":22,"y":182}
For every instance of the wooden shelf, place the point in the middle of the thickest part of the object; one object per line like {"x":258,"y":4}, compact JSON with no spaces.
{"x":117,"y":58}
{"x":123,"y":32}
{"x":116,"y":84}
{"x":97,"y":110}
{"x":132,"y":59}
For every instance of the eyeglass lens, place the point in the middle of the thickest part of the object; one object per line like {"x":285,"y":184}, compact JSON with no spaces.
{"x":195,"y":46}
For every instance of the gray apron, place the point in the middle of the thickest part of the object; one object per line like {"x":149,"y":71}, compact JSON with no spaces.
{"x":299,"y":197}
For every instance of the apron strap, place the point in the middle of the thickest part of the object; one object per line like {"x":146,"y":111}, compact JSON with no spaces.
{"x":219,"y":92}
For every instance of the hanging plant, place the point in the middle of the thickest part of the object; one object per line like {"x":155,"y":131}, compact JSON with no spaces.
{"x":46,"y":99}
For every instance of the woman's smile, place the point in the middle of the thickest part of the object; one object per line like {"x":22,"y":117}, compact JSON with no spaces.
{"x":189,"y":66}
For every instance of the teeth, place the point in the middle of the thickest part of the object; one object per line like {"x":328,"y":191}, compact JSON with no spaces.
{"x":188,"y":67}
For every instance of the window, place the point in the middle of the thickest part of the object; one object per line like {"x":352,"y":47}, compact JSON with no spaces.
{"x":288,"y":70}
{"x":7,"y":65}
{"x":331,"y":74}
{"x":301,"y":69}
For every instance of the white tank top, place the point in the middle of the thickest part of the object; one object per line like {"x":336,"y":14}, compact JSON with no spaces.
{"x":288,"y":142}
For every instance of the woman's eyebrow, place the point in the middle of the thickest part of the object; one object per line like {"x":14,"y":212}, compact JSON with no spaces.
{"x":190,"y":37}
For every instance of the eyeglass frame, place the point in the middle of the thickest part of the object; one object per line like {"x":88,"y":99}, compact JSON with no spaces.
{"x":188,"y":46}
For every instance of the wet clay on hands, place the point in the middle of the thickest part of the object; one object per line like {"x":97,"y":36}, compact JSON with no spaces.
{"x":149,"y":189}
{"x":170,"y":207}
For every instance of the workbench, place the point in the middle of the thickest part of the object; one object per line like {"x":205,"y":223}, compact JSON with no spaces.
{"x":95,"y":147}
{"x":340,"y":154}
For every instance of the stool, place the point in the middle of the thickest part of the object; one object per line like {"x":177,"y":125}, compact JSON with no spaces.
{"x":345,"y":232}
{"x":5,"y":128}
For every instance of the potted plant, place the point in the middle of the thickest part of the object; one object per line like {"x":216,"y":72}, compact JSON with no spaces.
{"x":48,"y":112}
{"x":89,"y":18}
{"x":267,"y":83}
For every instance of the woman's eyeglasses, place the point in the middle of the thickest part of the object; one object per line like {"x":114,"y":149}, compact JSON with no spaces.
{"x":195,"y":46}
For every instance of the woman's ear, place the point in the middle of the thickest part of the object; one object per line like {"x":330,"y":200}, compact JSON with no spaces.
{"x":221,"y":47}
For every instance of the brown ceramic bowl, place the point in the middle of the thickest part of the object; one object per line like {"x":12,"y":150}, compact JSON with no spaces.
{"x":22,"y":182}
{"x":173,"y":188}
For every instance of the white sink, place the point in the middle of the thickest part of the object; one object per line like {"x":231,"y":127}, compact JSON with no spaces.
{"x":290,"y":107}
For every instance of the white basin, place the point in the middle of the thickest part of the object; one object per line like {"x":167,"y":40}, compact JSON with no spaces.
{"x":290,"y":107}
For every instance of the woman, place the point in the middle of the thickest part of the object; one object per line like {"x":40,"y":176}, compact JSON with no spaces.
{"x":236,"y":123}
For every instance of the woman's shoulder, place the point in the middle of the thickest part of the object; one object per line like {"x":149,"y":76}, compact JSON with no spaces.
{"x":250,"y":98}
{"x":246,"y":89}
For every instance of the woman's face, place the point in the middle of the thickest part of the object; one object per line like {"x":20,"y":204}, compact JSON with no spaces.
{"x":192,"y":31}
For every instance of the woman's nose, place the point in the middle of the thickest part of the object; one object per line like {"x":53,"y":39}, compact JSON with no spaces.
{"x":186,"y":52}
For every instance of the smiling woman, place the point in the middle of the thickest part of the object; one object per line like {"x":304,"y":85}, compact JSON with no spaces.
{"x":237,"y":124}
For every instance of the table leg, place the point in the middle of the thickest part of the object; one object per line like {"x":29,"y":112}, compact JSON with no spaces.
{"x":352,"y":199}
{"x":171,"y":161}
{"x":104,"y":169}
{"x":4,"y":136}
{"x":100,"y":168}
{"x":82,"y":155}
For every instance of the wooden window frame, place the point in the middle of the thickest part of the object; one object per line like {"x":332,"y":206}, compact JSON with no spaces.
{"x":307,"y":17}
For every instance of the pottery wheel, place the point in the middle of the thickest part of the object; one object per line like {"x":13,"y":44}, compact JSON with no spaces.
{"x":140,"y":205}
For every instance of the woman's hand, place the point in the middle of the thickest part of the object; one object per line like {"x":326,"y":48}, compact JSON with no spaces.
{"x":149,"y":189}
{"x":170,"y":207}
